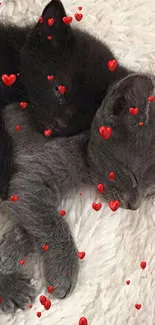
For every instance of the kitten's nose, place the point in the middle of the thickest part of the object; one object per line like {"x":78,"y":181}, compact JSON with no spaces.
{"x":133,"y":206}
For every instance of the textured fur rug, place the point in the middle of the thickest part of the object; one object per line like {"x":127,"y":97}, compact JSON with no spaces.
{"x":115,"y":243}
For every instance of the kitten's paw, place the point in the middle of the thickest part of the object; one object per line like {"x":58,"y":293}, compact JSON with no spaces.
{"x":62,"y":272}
{"x":15,"y":291}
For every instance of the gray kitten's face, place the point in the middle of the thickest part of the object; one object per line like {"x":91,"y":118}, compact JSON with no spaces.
{"x":130,"y":150}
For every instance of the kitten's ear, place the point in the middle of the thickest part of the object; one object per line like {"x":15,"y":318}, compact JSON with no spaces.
{"x":128,"y":99}
{"x":51,"y":24}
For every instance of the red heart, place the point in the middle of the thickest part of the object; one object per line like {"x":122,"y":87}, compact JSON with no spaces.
{"x":112,"y":176}
{"x":50,"y":289}
{"x":83,"y":321}
{"x":45,"y":248}
{"x":22,"y":262}
{"x":100,"y":188}
{"x":42,"y":299}
{"x":128,"y":282}
{"x":23,"y":104}
{"x":114,"y":205}
{"x":62,"y":89}
{"x":133,"y":110}
{"x":141,"y":123}
{"x":38,"y":314}
{"x":18,"y":74}
{"x":14,"y":198}
{"x":151,"y":98}
{"x":67,"y":20}
{"x":138,"y":306}
{"x":80,"y":8}
{"x":47,"y":304}
{"x":112,"y":65}
{"x":50,"y":77}
{"x":18,"y":128}
{"x":105,"y":132}
{"x":143,"y":265}
{"x":30,"y":306}
{"x":96,"y":206}
{"x":50,"y":21}
{"x":81,"y":255}
{"x":41,"y":20}
{"x":49,"y":37}
{"x":0,"y":300}
{"x":47,"y":133}
{"x":62,"y":213}
{"x":78,"y":17}
{"x":9,"y":80}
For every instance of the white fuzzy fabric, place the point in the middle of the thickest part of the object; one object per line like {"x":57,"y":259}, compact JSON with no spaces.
{"x":115,"y":243}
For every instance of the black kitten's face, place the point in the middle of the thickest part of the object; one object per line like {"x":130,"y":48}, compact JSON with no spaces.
{"x":130,"y":150}
{"x":77,"y":61}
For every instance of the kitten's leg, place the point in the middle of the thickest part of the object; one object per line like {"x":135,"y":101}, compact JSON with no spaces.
{"x":15,"y":288}
{"x":36,"y":211}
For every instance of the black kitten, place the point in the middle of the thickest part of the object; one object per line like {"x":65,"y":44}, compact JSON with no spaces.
{"x":77,"y":61}
{"x":47,"y":171}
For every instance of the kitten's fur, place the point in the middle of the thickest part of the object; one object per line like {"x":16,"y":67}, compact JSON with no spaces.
{"x":45,"y":170}
{"x":76,"y":59}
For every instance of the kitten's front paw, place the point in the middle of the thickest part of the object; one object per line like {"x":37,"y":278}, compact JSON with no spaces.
{"x":15,"y":291}
{"x":61,"y":271}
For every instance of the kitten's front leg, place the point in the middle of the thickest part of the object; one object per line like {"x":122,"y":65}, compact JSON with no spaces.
{"x":16,"y":290}
{"x":36,"y":211}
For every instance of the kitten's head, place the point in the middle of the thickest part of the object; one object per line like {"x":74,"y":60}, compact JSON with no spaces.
{"x":130,"y":150}
{"x":77,"y":61}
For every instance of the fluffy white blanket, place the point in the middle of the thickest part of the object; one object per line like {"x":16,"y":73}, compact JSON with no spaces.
{"x":115,"y":243}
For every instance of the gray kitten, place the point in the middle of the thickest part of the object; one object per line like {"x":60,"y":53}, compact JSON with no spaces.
{"x":44,"y":170}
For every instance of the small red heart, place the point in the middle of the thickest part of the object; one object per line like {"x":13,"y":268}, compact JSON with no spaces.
{"x":50,"y":77}
{"x":42,"y":300}
{"x":18,"y":128}
{"x":112,"y":65}
{"x":62,"y":89}
{"x":0,"y":300}
{"x":143,"y":265}
{"x":133,"y":110}
{"x":22,"y":262}
{"x":45,"y":248}
{"x":49,"y":37}
{"x":83,"y":321}
{"x":14,"y":198}
{"x":38,"y":314}
{"x":138,"y":306}
{"x":128,"y":282}
{"x":50,"y":289}
{"x":96,"y":206}
{"x":151,"y":98}
{"x":79,"y":8}
{"x":100,"y":188}
{"x":30,"y":306}
{"x":23,"y":105}
{"x":105,"y":132}
{"x":18,"y":74}
{"x":112,"y":176}
{"x":47,"y":133}
{"x":9,"y":80}
{"x":114,"y":205}
{"x":41,"y":20}
{"x":47,"y":304}
{"x":67,"y":20}
{"x":50,"y":21}
{"x":78,"y":16}
{"x":80,"y":193}
{"x":81,"y":255}
{"x":141,"y":123}
{"x":62,"y":213}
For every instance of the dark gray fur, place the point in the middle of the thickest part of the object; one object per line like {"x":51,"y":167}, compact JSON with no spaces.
{"x":45,"y":170}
